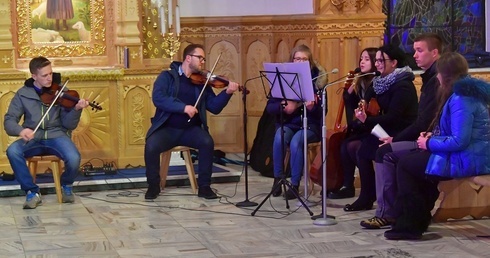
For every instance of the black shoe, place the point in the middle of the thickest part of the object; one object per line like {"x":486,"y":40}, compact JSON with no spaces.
{"x":278,"y":190}
{"x":292,"y":192}
{"x":393,"y":234}
{"x":358,"y":206}
{"x":342,"y":193}
{"x":206,"y":192}
{"x":152,"y":193}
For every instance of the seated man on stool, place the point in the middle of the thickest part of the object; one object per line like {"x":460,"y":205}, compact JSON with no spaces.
{"x":53,"y":136}
{"x":178,"y":123}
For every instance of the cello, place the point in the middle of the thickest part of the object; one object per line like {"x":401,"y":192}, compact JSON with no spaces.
{"x":335,"y":136}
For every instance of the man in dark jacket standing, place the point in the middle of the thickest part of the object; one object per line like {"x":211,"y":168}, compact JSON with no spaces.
{"x":179,"y":121}
{"x":428,"y":48}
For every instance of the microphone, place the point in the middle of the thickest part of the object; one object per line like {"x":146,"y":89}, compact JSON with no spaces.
{"x":376,"y":73}
{"x":334,"y":71}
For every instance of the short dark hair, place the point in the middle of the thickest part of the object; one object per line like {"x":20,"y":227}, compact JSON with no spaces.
{"x":433,"y":40}
{"x":190,"y":49}
{"x":37,"y":63}
{"x":394,"y":53}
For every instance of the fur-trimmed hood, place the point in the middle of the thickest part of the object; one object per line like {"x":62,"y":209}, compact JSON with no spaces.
{"x":473,"y":87}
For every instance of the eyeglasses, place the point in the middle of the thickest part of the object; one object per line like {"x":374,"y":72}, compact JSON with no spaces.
{"x":300,"y":59}
{"x":381,"y":61}
{"x":201,"y":58}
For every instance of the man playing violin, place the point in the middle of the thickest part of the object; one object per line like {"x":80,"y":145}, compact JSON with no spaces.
{"x":180,"y":119}
{"x":53,"y":136}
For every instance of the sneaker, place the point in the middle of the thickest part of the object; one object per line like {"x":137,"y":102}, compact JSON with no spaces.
{"x":206,"y":192}
{"x":152,"y":192}
{"x":292,"y":193}
{"x":33,"y":200}
{"x":343,"y":193}
{"x":67,"y":194}
{"x":376,"y":223}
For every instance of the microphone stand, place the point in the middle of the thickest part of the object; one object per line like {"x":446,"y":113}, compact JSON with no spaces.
{"x":246,"y":202}
{"x":325,"y":220}
{"x":305,"y":148}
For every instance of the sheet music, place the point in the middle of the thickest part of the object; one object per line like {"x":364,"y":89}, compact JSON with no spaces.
{"x":295,"y":78}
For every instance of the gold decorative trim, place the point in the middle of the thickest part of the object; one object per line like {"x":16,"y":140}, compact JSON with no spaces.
{"x":155,"y":71}
{"x":95,"y":47}
{"x":94,"y":75}
{"x":6,"y":59}
{"x":128,"y":88}
{"x":13,"y":75}
{"x":288,"y":28}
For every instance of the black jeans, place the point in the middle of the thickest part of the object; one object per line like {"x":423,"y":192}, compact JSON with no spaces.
{"x":417,"y":193}
{"x":165,"y":138}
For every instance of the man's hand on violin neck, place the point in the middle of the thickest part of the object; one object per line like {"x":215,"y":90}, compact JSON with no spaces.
{"x":232,"y":87}
{"x":190,"y":111}
{"x":82,"y":103}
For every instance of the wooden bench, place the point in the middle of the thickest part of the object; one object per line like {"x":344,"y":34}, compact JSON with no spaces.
{"x":464,"y":197}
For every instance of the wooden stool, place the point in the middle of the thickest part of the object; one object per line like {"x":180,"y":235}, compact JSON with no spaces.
{"x":165,"y":163}
{"x":55,"y":167}
{"x":464,"y":197}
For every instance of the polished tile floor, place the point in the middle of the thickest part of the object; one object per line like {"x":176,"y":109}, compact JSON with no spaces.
{"x":179,"y":224}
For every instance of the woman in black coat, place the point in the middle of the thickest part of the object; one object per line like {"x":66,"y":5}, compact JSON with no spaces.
{"x":397,"y":98}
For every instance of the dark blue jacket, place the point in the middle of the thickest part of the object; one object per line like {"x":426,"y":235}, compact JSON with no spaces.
{"x":463,"y":147}
{"x":164,"y":97}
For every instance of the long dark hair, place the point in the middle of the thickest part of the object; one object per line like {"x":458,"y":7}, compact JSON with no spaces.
{"x":451,"y":67}
{"x":366,"y":80}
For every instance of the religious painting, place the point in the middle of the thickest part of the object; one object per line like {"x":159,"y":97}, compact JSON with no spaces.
{"x":60,"y":28}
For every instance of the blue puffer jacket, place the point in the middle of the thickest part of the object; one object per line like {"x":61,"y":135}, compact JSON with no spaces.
{"x":463,"y":147}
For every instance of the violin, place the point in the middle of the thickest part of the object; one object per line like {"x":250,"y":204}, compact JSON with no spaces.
{"x":67,"y":99}
{"x":216,"y":81}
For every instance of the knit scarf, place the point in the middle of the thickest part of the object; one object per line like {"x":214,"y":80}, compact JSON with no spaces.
{"x":382,"y":84}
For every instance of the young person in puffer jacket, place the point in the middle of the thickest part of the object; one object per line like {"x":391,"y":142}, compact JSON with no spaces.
{"x":457,"y":146}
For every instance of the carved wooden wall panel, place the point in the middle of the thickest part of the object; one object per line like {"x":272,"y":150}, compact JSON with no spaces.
{"x":134,"y":112}
{"x":258,"y":53}
{"x":283,"y":52}
{"x":226,"y":127}
{"x":340,"y":7}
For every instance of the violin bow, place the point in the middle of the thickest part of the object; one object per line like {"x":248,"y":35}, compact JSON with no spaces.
{"x":206,"y":83}
{"x":58,"y":94}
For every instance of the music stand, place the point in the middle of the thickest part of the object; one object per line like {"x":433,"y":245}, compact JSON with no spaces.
{"x":285,"y":81}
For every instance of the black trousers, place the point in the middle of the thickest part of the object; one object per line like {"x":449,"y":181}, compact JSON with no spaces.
{"x":417,"y":193}
{"x":165,"y":138}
